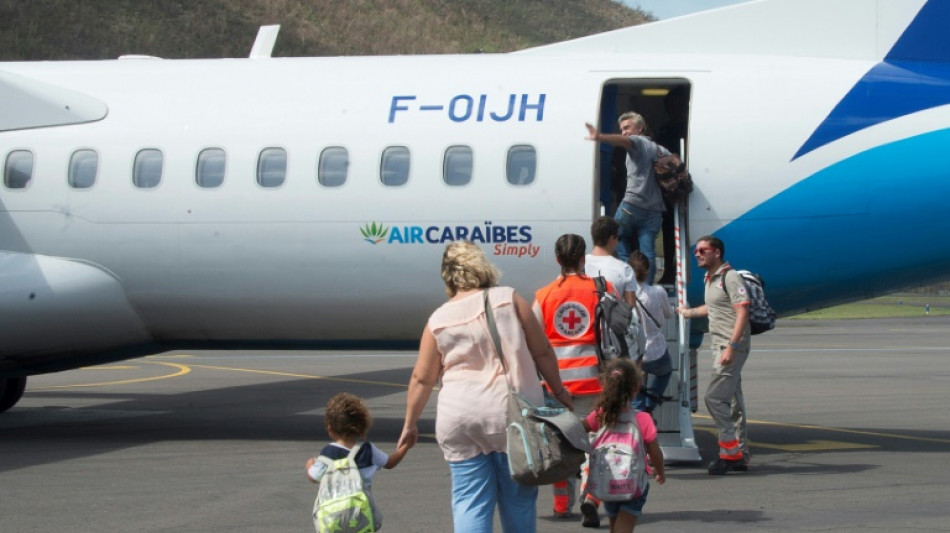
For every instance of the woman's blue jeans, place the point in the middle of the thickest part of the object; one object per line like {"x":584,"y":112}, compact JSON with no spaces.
{"x":481,"y":483}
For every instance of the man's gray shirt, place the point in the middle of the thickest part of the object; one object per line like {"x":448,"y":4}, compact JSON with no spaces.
{"x":643,"y":191}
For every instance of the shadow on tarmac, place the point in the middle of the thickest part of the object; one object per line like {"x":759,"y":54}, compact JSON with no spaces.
{"x":712,"y":516}
{"x":285,"y":411}
{"x":280,"y":411}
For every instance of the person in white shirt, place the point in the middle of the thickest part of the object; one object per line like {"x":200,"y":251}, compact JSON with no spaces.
{"x":605,"y":233}
{"x":655,"y":309}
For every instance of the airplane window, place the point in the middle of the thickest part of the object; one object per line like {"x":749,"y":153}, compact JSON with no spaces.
{"x":394,"y":169}
{"x":333,"y":166}
{"x":83,"y":169}
{"x":457,"y":166}
{"x":272,"y":167}
{"x":209,"y":172}
{"x":147,"y":172}
{"x":522,"y":163}
{"x":18,"y":170}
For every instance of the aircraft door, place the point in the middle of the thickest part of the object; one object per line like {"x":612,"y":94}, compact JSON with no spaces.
{"x":664,"y":106}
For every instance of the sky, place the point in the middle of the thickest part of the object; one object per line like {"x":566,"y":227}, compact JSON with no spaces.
{"x":664,"y":9}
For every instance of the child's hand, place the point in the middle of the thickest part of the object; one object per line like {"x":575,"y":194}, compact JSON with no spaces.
{"x":396,"y":457}
{"x":306,"y":469}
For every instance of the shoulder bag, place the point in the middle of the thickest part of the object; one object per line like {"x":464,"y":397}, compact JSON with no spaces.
{"x":673,"y":177}
{"x":545,"y":444}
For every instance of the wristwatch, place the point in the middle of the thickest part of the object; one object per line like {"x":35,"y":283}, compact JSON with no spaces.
{"x":735,"y":345}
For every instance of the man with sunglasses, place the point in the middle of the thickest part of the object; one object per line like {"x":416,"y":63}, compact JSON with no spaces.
{"x":727,"y":306}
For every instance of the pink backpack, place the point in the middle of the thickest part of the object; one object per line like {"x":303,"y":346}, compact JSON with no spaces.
{"x":618,"y":465}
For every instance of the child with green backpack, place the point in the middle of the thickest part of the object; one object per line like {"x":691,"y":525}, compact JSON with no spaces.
{"x":345,"y":468}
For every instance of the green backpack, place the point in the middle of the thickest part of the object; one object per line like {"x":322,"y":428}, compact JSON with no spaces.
{"x":343,"y":504}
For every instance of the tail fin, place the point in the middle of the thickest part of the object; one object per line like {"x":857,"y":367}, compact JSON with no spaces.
{"x":913,"y":76}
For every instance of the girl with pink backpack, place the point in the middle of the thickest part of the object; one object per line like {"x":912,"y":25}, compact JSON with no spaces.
{"x":618,"y":474}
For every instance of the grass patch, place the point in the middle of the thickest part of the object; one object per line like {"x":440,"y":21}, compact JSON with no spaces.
{"x":894,"y":306}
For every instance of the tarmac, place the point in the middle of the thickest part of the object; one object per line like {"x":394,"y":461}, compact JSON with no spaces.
{"x":849,"y":424}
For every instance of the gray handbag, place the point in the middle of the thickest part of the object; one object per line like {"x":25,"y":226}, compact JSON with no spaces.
{"x":545,"y":444}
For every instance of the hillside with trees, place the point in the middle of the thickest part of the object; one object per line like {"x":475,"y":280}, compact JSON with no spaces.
{"x":106,"y":29}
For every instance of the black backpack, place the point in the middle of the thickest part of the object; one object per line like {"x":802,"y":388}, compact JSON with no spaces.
{"x":761,"y":314}
{"x":612,"y":320}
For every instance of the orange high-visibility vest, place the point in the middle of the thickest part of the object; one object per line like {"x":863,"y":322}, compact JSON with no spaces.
{"x":567,"y":309}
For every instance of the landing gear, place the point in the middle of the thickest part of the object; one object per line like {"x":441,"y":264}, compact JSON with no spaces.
{"x":11,"y":390}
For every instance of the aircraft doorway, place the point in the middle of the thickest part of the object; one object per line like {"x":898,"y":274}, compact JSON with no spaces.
{"x":664,"y":105}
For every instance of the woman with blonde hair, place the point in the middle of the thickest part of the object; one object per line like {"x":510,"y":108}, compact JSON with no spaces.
{"x":471,"y":414}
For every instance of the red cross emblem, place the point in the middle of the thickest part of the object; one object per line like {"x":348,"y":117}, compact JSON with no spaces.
{"x":571,"y":320}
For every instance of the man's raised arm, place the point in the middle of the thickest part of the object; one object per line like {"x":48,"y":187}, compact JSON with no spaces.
{"x":613,"y":139}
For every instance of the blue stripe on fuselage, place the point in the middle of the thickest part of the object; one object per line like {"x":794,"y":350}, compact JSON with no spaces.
{"x":914,"y":76}
{"x":867,"y":225}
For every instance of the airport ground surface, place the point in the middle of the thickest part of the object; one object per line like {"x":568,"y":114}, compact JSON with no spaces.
{"x":850,"y":429}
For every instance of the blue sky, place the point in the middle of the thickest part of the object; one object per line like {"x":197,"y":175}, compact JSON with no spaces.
{"x":664,"y":9}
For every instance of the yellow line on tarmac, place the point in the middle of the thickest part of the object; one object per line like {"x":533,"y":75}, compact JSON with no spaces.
{"x":182,"y":370}
{"x":305,"y":376}
{"x":810,"y":446}
{"x":842,"y":430}
{"x":814,"y":446}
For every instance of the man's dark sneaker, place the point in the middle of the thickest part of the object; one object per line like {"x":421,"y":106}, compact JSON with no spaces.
{"x":743,"y":466}
{"x":721,"y":466}
{"x":589,"y":510}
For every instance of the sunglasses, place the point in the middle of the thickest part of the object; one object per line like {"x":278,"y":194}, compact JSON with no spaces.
{"x":700,"y":251}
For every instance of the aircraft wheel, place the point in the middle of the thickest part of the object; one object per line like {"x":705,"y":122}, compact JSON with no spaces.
{"x":11,"y":390}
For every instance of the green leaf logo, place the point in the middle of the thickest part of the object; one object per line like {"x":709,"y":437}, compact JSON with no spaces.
{"x":374,"y":233}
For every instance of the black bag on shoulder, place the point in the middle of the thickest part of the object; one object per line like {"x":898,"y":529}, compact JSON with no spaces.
{"x":675,"y":181}
{"x":612,"y":318}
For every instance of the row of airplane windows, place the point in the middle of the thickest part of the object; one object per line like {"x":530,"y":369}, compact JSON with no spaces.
{"x":211,"y":167}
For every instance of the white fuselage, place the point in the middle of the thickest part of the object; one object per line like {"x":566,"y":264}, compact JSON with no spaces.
{"x":114,"y":266}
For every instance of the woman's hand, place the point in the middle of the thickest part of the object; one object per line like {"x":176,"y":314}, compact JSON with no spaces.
{"x":565,"y":398}
{"x":424,"y":377}
{"x":409,"y":437}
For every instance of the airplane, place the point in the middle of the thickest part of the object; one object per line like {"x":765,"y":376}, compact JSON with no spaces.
{"x":150,"y":204}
